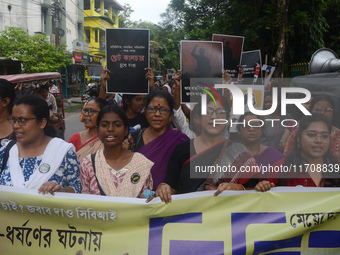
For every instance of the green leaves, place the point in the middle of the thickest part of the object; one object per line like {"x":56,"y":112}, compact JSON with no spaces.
{"x":35,"y":52}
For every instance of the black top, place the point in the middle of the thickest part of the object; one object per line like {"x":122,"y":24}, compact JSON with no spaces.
{"x":178,"y":172}
{"x":139,"y":119}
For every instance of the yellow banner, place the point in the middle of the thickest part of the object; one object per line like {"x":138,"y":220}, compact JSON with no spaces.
{"x":285,"y":221}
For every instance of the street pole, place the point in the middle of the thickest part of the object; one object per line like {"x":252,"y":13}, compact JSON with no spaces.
{"x":3,"y":15}
{"x":56,"y":20}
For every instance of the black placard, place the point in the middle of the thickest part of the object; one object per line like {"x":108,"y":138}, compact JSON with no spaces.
{"x":127,"y":52}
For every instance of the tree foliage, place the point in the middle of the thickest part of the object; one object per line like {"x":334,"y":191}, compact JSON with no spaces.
{"x":285,"y":31}
{"x":34,"y":52}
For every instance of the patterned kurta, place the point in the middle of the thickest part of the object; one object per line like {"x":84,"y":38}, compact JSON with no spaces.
{"x":116,"y":182}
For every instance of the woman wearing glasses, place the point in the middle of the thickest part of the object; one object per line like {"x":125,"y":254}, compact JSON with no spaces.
{"x":157,"y":141}
{"x":251,"y":134}
{"x":191,"y":162}
{"x":37,"y":160}
{"x":88,"y":142}
{"x":322,"y":104}
{"x":311,"y":163}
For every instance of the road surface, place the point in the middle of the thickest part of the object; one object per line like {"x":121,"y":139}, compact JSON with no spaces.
{"x":72,"y":123}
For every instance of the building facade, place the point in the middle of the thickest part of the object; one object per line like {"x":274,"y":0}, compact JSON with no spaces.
{"x":99,"y":15}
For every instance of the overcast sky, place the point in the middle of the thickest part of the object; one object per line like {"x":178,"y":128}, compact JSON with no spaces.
{"x":148,"y":10}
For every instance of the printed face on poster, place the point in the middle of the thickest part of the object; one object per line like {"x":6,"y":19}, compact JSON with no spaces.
{"x":232,"y":50}
{"x":201,"y":65}
{"x":251,"y":63}
{"x":127,"y":52}
{"x":256,"y":100}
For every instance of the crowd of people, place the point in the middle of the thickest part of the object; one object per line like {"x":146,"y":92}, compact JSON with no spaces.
{"x":154,"y":146}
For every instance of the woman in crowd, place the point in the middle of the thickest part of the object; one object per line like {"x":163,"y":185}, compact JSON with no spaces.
{"x":158,"y":140}
{"x":251,"y":134}
{"x":115,"y":171}
{"x":274,"y":129}
{"x":133,"y":106}
{"x":87,"y":142}
{"x":7,"y":96}
{"x":37,"y":160}
{"x":50,"y":100}
{"x":187,"y":171}
{"x":322,"y":104}
{"x":311,"y":153}
{"x":297,"y":116}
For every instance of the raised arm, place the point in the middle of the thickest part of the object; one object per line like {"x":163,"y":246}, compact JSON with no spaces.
{"x":104,"y":77}
{"x":151,"y":77}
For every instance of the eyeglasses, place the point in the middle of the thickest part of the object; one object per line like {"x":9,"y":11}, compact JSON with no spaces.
{"x":321,"y":109}
{"x":154,"y":109}
{"x":219,"y":112}
{"x":21,"y":121}
{"x":89,"y":111}
{"x":324,"y":137}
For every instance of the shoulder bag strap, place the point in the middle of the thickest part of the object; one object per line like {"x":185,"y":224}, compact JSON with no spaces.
{"x":93,"y":160}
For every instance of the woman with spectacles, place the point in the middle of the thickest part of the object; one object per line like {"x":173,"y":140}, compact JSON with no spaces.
{"x":157,"y":141}
{"x":7,"y":96}
{"x":311,"y":163}
{"x":87,"y":141}
{"x":38,"y":160}
{"x":321,"y":104}
{"x":209,"y":161}
{"x":251,"y":133}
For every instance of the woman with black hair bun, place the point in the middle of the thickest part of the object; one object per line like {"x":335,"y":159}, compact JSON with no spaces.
{"x":7,"y":96}
{"x":38,"y":160}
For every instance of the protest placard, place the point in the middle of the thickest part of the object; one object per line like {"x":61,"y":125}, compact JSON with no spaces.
{"x":232,"y":49}
{"x":203,"y":60}
{"x":251,"y":63}
{"x":127,"y":52}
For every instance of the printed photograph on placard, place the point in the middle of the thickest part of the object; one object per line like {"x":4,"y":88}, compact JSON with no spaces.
{"x":127,"y":54}
{"x":232,"y":49}
{"x":251,"y":63}
{"x":203,"y":60}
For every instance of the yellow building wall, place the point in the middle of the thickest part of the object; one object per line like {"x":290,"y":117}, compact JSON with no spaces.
{"x":96,"y":21}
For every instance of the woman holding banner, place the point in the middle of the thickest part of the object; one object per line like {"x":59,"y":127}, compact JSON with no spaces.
{"x":115,"y":171}
{"x":37,"y":160}
{"x":158,"y":140}
{"x":209,"y":162}
{"x":251,"y":134}
{"x":311,"y":163}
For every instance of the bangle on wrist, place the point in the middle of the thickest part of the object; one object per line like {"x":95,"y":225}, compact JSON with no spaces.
{"x":242,"y":186}
{"x":177,"y":88}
